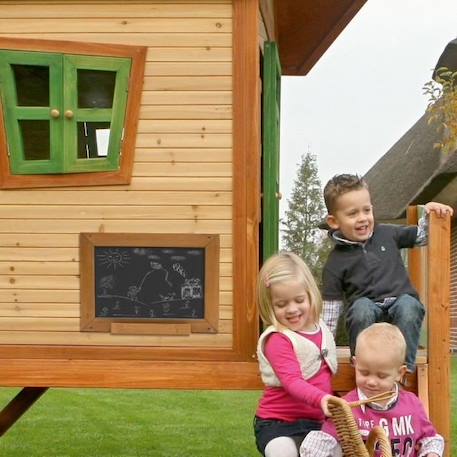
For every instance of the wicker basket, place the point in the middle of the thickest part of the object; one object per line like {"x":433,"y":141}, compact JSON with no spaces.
{"x":349,"y":434}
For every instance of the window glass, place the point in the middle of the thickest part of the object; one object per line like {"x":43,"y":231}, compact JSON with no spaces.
{"x":35,"y":139}
{"x":96,"y":88}
{"x":93,"y":138}
{"x":32,"y":85}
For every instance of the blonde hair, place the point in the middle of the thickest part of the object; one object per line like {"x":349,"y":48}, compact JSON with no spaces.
{"x":383,"y":336}
{"x":283,"y":267}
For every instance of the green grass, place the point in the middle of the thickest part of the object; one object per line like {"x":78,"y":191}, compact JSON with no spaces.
{"x":133,"y":423}
{"x":142,"y":423}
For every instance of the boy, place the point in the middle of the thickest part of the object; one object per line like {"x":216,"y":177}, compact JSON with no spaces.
{"x":379,"y":365}
{"x":365,"y":268}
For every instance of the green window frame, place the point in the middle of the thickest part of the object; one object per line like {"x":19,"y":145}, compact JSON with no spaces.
{"x":69,"y":112}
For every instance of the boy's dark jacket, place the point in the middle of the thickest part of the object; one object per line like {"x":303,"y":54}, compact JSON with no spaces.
{"x":373,"y":269}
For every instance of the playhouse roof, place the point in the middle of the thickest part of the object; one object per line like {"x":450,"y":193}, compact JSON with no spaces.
{"x":411,"y":172}
{"x":306,"y":28}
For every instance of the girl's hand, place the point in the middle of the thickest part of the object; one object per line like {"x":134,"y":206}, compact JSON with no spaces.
{"x":324,"y":404}
{"x":439,"y":208}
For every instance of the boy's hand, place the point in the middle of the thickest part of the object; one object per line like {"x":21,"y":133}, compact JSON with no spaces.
{"x":440,"y":209}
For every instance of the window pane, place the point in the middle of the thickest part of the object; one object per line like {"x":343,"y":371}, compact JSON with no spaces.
{"x":32,"y":85}
{"x":93,"y":139}
{"x":96,"y":88}
{"x":35,"y":138}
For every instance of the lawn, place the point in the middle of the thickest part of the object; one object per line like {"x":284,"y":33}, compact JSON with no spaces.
{"x":141,"y":423}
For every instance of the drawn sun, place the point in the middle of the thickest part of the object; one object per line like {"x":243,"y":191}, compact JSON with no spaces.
{"x":113,"y":258}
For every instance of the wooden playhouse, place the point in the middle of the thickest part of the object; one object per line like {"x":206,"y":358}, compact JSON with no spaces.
{"x":139,"y":165}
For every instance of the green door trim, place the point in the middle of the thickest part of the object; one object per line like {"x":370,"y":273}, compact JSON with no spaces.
{"x":271,"y":126}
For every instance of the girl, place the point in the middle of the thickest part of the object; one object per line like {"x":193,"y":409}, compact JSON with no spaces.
{"x":297,"y":357}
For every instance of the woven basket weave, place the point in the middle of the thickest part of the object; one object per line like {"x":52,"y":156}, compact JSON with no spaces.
{"x":348,"y":433}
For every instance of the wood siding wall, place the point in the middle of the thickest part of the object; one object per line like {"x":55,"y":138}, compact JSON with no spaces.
{"x":453,"y":295}
{"x":182,"y":177}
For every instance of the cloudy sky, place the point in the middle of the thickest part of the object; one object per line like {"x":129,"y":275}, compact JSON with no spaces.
{"x":366,"y":91}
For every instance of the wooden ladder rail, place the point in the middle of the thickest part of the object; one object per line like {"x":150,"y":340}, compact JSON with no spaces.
{"x":18,"y":406}
{"x":430,"y":273}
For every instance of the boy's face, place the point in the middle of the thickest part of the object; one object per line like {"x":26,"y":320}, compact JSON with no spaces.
{"x":353,"y":215}
{"x":377,"y":371}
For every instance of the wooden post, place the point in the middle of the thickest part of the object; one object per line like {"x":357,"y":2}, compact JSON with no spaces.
{"x":438,"y":307}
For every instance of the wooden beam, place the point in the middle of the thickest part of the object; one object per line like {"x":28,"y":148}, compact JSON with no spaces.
{"x":246,"y":174}
{"x":438,"y":306}
{"x":18,"y":406}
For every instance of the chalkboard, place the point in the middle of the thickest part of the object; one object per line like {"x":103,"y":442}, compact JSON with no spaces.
{"x":149,"y":282}
{"x":149,"y":278}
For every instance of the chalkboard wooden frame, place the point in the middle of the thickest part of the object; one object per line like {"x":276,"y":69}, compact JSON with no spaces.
{"x":90,"y":321}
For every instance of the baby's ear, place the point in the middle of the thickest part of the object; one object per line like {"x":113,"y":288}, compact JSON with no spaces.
{"x":401,"y":372}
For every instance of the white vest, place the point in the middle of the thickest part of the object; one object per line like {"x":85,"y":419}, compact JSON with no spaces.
{"x":308,"y":354}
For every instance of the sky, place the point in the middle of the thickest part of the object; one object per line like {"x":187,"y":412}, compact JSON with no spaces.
{"x":366,"y":91}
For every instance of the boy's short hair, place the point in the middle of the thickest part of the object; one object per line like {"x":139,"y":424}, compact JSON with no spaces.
{"x":339,"y":185}
{"x":383,"y":336}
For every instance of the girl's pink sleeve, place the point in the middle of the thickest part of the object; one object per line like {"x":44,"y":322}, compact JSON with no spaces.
{"x":280,"y":353}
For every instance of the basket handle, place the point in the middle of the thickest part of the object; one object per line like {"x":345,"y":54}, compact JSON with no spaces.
{"x":382,"y":396}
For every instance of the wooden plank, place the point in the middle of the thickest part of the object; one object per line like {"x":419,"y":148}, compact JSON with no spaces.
{"x":105,"y":197}
{"x":39,"y":310}
{"x":207,"y":126}
{"x":186,"y":112}
{"x":439,"y":323}
{"x":116,"y":225}
{"x":130,"y":374}
{"x":416,"y":257}
{"x":57,"y":254}
{"x":182,"y":169}
{"x":185,"y":140}
{"x":39,"y":282}
{"x":423,"y":386}
{"x":246,"y":174}
{"x":149,"y":38}
{"x":111,"y":212}
{"x":114,"y":25}
{"x":184,"y":83}
{"x":195,"y":340}
{"x":124,"y":328}
{"x":65,"y":296}
{"x":130,"y":10}
{"x":184,"y":69}
{"x":171,"y":183}
{"x":183,"y":154}
{"x":268,"y":19}
{"x":39,"y":324}
{"x":34,"y":268}
{"x":188,"y":54}
{"x":186,"y":98}
{"x":52,"y":240}
{"x":11,"y":254}
{"x":71,"y":310}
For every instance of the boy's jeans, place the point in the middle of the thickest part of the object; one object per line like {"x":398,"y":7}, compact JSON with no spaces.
{"x":406,"y":312}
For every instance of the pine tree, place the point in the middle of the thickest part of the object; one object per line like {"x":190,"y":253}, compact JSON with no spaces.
{"x":306,"y":210}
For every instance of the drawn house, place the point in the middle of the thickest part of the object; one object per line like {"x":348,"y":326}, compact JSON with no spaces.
{"x":126,"y":120}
